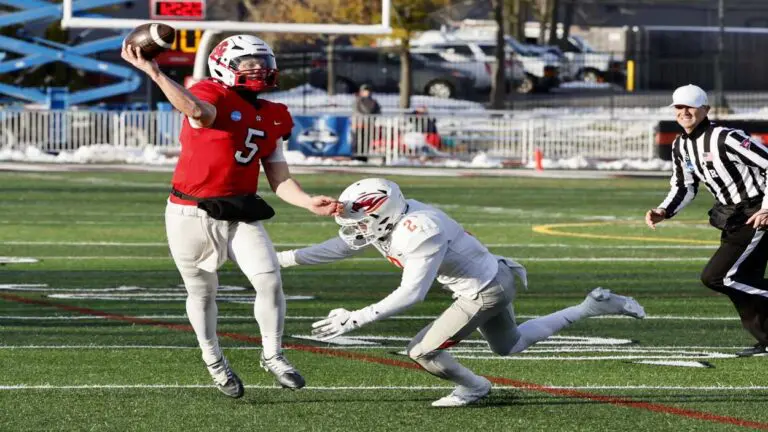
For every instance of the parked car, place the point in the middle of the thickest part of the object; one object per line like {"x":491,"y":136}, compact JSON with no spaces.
{"x":381,"y":68}
{"x":478,"y":60}
{"x":479,"y":71}
{"x":589,"y":65}
{"x":541,"y":59}
{"x":542,"y":71}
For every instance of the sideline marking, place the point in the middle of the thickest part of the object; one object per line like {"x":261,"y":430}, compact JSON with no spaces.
{"x":17,"y":260}
{"x":552,"y":229}
{"x":523,"y":385}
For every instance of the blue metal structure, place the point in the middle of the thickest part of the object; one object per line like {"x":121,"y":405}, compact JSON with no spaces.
{"x":40,"y":51}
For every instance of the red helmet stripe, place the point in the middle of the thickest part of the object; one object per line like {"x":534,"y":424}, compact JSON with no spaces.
{"x":369,"y":202}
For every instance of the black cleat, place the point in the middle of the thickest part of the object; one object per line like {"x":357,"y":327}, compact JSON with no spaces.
{"x":755,"y":351}
{"x":285,"y":374}
{"x":226,"y":379}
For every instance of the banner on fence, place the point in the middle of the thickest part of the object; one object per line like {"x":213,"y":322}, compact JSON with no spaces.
{"x":321,"y":136}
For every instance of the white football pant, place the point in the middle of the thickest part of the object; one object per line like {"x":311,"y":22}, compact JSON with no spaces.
{"x":491,"y":313}
{"x":199,"y":246}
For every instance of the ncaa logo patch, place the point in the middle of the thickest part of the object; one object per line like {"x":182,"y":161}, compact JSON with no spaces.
{"x":236,"y":116}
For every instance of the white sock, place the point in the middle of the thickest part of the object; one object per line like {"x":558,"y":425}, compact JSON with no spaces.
{"x":269,"y":310}
{"x":444,"y":366}
{"x":203,"y":313}
{"x":538,"y":329}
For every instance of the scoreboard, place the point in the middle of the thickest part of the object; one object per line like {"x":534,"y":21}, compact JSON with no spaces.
{"x":193,"y":10}
{"x":182,"y":53}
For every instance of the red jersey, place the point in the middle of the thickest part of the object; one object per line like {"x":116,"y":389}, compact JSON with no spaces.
{"x":224,"y":158}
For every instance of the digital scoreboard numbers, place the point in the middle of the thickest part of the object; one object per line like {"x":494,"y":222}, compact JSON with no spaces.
{"x":177,"y":10}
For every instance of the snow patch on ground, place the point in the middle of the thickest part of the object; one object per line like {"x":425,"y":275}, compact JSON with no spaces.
{"x":581,"y":163}
{"x":100,"y":153}
{"x":158,"y":156}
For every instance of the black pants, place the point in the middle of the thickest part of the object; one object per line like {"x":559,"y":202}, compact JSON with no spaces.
{"x":737,"y":269}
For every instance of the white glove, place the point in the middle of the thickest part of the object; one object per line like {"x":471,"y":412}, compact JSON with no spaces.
{"x":287,"y":258}
{"x":339,"y":321}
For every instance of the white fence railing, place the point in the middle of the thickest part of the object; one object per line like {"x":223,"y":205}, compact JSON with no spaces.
{"x":392,"y":137}
{"x":384,"y":137}
{"x":55,"y":131}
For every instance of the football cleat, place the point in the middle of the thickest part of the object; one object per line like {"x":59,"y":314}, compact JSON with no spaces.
{"x":285,"y":374}
{"x":603,"y":302}
{"x":226,"y":379}
{"x":463,"y":396}
{"x":755,"y":351}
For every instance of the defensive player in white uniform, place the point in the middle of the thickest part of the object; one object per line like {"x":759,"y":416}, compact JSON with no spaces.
{"x":427,"y":243}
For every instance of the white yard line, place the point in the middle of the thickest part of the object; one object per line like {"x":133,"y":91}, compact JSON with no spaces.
{"x":368,"y":388}
{"x":134,"y":221}
{"x":499,"y":245}
{"x":542,"y":348}
{"x":116,"y":244}
{"x":350,"y":272}
{"x":598,"y":358}
{"x":314,"y":318}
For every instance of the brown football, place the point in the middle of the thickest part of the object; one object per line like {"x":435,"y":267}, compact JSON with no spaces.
{"x":152,"y":38}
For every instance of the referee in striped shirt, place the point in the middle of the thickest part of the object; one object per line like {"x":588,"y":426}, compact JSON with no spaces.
{"x":733,"y":167}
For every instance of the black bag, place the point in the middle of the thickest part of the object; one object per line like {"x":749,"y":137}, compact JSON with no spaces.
{"x":237,"y":208}
{"x":733,"y":216}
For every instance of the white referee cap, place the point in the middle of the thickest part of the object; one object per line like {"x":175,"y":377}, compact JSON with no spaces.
{"x":690,"y":95}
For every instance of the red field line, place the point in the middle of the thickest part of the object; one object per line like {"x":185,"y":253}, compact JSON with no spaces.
{"x":523,"y":385}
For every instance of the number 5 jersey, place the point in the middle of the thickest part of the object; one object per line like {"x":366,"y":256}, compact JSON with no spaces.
{"x":224,"y":159}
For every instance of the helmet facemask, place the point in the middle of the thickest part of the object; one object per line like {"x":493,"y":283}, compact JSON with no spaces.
{"x":358,"y":233}
{"x":372,"y":208}
{"x":254,"y":72}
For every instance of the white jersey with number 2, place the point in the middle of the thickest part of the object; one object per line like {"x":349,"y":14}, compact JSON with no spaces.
{"x":427,"y":244}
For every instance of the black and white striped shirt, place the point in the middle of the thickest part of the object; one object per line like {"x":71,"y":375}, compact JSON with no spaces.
{"x":729,"y":163}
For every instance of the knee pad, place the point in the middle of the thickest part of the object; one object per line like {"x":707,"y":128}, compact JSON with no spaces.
{"x":199,"y":283}
{"x":269,"y":282}
{"x":416,"y":352}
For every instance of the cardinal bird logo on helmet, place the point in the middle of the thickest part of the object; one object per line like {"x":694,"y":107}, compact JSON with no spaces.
{"x":219,"y":50}
{"x":369,"y":202}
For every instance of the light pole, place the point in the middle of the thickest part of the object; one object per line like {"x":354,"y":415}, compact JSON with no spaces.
{"x":721,"y":104}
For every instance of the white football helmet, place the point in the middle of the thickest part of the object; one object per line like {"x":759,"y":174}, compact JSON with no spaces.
{"x":372,"y":207}
{"x":225,"y":60}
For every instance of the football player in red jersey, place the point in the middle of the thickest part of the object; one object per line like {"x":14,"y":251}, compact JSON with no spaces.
{"x":213,"y":212}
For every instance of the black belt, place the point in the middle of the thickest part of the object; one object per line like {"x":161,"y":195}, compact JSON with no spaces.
{"x":236,"y":208}
{"x":179,"y":194}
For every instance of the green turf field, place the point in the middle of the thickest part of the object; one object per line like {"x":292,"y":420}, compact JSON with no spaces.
{"x":79,"y":354}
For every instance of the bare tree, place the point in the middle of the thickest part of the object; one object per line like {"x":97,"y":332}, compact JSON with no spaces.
{"x":498,"y":86}
{"x":410,"y":16}
{"x":553,"y":21}
{"x":330,"y":66}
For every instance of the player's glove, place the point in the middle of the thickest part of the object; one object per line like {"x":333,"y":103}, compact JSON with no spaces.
{"x":339,"y":321}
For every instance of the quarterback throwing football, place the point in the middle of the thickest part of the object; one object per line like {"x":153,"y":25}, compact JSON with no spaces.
{"x":427,"y":244}
{"x":213,"y":213}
